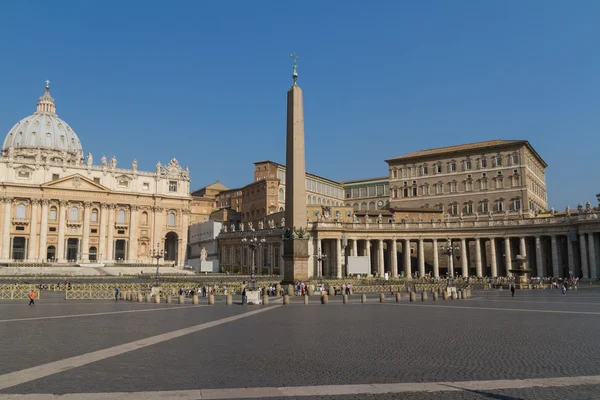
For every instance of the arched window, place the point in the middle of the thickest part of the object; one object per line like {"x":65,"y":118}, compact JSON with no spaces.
{"x":280,"y":209}
{"x":363,"y":206}
{"x":52,"y":215}
{"x":21,"y":211}
{"x":281,"y":194}
{"x":94,"y":215}
{"x":51,"y":253}
{"x":144,"y":218}
{"x":171,"y":219}
{"x":355,"y":206}
{"x":372,"y":205}
{"x":121,"y":216}
{"x":74,"y":214}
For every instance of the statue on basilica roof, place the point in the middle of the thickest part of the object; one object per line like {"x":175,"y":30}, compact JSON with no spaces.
{"x":90,"y":160}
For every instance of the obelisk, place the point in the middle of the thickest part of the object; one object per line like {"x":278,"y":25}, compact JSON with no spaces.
{"x":295,"y":246}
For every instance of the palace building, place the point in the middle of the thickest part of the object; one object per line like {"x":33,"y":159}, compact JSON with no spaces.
{"x":58,"y":206}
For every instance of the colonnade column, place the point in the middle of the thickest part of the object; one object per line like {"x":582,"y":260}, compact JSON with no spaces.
{"x":183,"y":238}
{"x":421,"y":255}
{"x":570,"y":256}
{"x":86,"y":231}
{"x":111,"y":233}
{"x":133,"y":211}
{"x":523,"y":251}
{"x":380,"y":259}
{"x":32,"y":253}
{"x":538,"y":257}
{"x":102,"y":255}
{"x":507,"y":256}
{"x":355,"y":247}
{"x":463,"y":255}
{"x":6,"y":229}
{"x":593,"y":261}
{"x":280,"y":258}
{"x":43,"y":230}
{"x":436,"y":261}
{"x":394,"y":258}
{"x":554,"y":249}
{"x":494,"y":261}
{"x":338,"y":258}
{"x":406,"y":253}
{"x":478,"y":266}
{"x":60,"y":256}
{"x":585,"y":273}
{"x":368,"y":252}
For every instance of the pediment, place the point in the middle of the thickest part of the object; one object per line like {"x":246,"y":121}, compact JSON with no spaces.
{"x":76,"y":182}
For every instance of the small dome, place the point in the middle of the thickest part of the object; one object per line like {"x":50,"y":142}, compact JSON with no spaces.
{"x":43,"y":130}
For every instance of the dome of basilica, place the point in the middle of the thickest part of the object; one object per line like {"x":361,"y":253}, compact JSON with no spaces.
{"x":43,"y":131}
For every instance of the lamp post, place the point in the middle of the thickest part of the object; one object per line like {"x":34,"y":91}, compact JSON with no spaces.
{"x":450,"y":250}
{"x":158,"y":254}
{"x":320,"y":258}
{"x":253,"y":243}
{"x":344,"y":245}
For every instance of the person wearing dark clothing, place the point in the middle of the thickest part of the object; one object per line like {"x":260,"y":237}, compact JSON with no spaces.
{"x":512,"y":290}
{"x":116,"y":294}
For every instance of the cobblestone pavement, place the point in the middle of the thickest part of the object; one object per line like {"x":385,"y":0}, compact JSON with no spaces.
{"x":491,"y":336}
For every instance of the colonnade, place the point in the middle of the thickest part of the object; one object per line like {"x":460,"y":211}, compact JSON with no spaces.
{"x":571,"y":254}
{"x":238,"y":257}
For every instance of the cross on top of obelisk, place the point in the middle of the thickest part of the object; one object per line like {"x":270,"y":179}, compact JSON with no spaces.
{"x":294,"y":73}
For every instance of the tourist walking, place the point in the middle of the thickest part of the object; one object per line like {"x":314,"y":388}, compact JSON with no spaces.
{"x":512,"y":290}
{"x":116,"y":294}
{"x":32,"y":297}
{"x":564,"y":289}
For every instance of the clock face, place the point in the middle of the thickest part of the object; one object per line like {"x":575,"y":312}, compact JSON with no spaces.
{"x":380,"y":203}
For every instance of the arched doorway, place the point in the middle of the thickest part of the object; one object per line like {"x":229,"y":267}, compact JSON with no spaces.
{"x":72,"y":249}
{"x":93,"y":254}
{"x":171,"y":242}
{"x":51,"y":253}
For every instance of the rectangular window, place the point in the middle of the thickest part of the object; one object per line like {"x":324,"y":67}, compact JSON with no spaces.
{"x":23,"y":174}
{"x":413,"y":171}
{"x":394,"y":174}
{"x":483,"y":163}
{"x":55,"y":177}
{"x":414,"y":191}
{"x":498,"y":161}
{"x":97,"y":180}
{"x":52,"y":229}
{"x":146,"y":185}
{"x":484,"y":184}
{"x":470,"y":208}
{"x":380,"y":190}
{"x":484,"y":207}
{"x":468,"y":165}
{"x":172,"y":186}
{"x":94,"y":230}
{"x":403,"y":170}
{"x":517,"y":204}
{"x":121,"y":232}
{"x":348,"y":194}
{"x":371,"y":190}
{"x":363,"y":192}
{"x":123,"y":183}
{"x":355,"y":192}
{"x":452,"y":167}
{"x":469,"y":186}
{"x":515,"y":159}
{"x":20,"y":228}
{"x":437,"y":169}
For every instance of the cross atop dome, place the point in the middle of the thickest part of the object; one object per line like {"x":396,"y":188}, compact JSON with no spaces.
{"x":47,"y":84}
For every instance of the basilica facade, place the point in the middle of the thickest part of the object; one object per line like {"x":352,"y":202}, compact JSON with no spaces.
{"x":58,"y":206}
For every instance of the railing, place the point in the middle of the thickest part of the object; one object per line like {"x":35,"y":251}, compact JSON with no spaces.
{"x":89,"y":295}
{"x":20,"y":293}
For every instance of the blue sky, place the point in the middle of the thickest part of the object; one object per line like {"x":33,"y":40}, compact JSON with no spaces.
{"x":205,"y":82}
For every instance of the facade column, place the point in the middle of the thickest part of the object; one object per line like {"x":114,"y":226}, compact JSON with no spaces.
{"x":368,"y":253}
{"x":102,"y":255}
{"x":338,"y":258}
{"x":421,"y":254}
{"x":554,"y":249}
{"x":523,"y":251}
{"x":321,"y":251}
{"x":32,"y":247}
{"x":380,"y":259}
{"x":87,"y":209}
{"x":281,"y":258}
{"x":354,"y":247}
{"x":394,"y":258}
{"x":570,"y":256}
{"x":270,"y":255}
{"x":436,"y":261}
{"x":133,"y":211}
{"x":184,"y":235}
{"x":585,"y":273}
{"x":507,"y":256}
{"x":60,"y":256}
{"x":6,"y":228}
{"x":463,"y":255}
{"x":478,"y":266}
{"x":538,"y":257}
{"x":44,"y":230}
{"x":110,"y":246}
{"x":493,"y":259}
{"x":406,"y":253}
{"x":593,"y":261}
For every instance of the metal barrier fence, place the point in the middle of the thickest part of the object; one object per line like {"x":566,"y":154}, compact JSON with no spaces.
{"x":89,"y":295}
{"x":20,"y":293}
